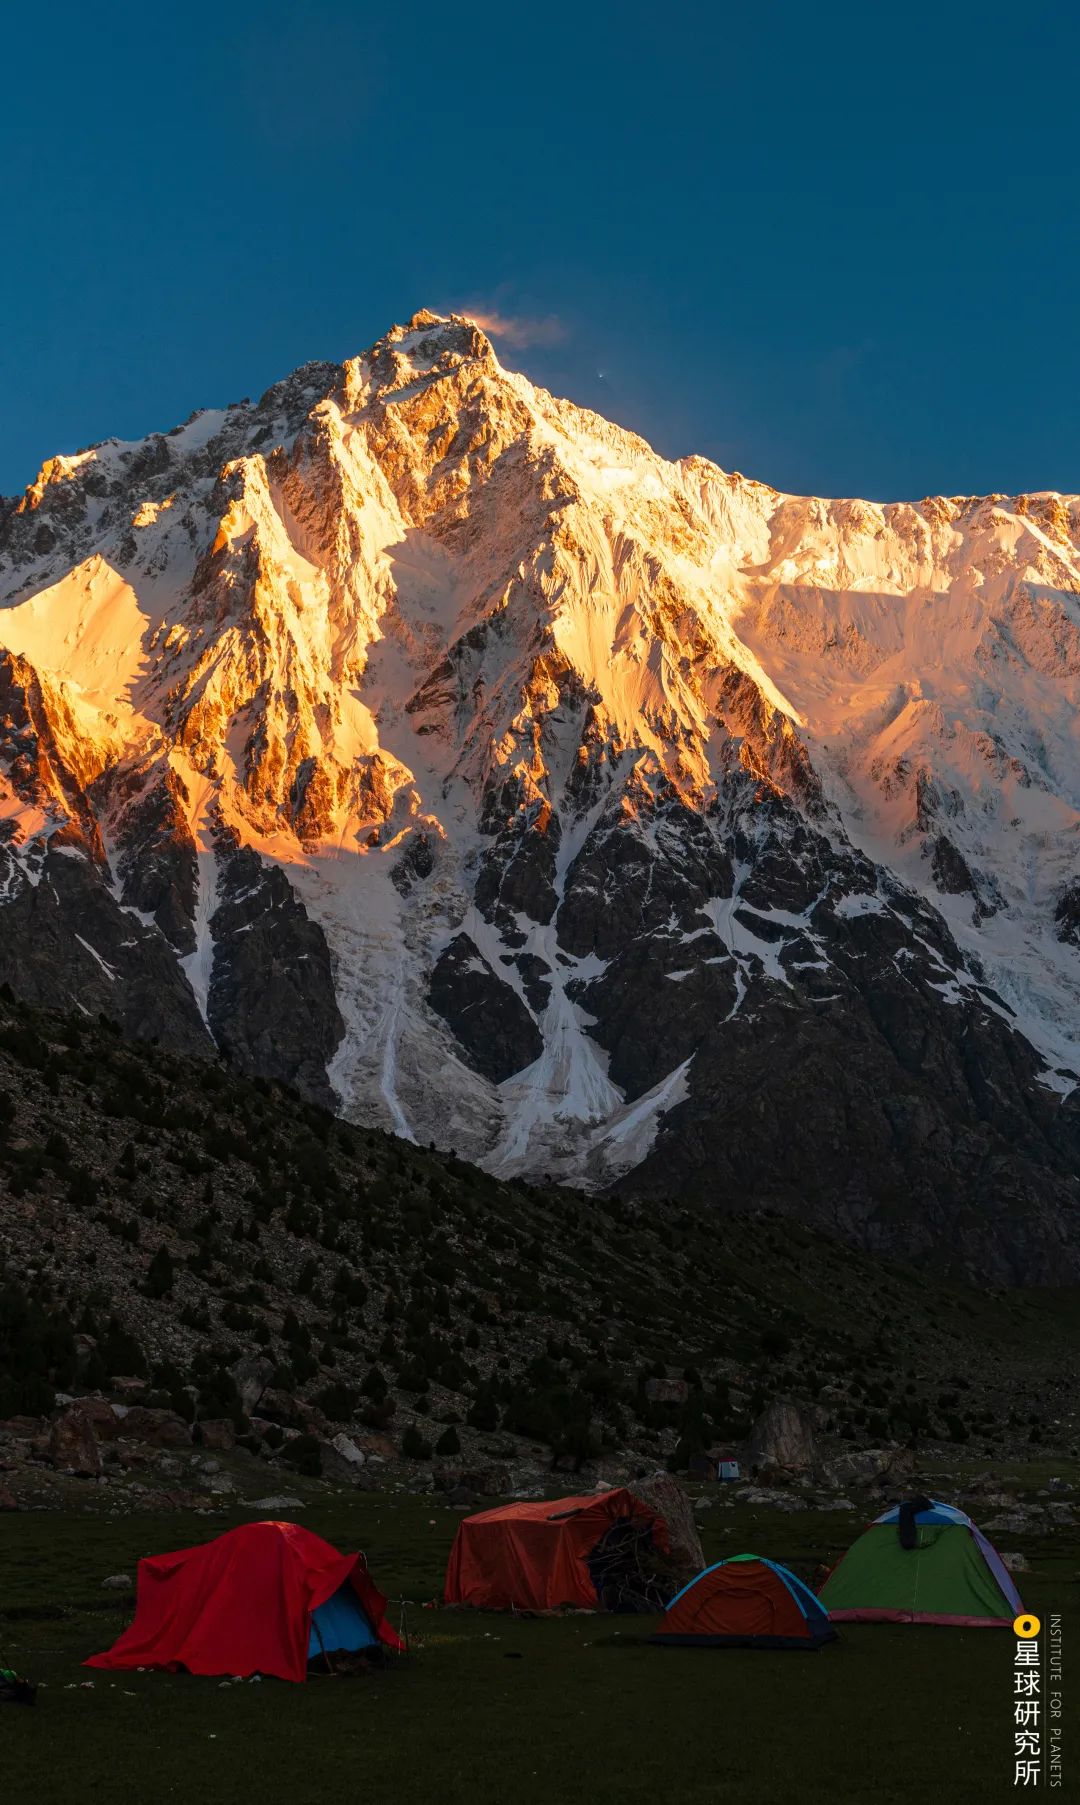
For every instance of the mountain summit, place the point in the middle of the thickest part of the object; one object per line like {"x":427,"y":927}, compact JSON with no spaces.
{"x":430,"y":743}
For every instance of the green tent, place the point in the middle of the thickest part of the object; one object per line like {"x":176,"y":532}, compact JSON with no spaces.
{"x":922,"y":1563}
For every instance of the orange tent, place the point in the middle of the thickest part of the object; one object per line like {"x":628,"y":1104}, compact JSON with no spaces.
{"x":533,"y":1557}
{"x":745,"y":1602}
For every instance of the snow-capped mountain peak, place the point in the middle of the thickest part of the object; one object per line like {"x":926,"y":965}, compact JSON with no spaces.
{"x":430,"y":741}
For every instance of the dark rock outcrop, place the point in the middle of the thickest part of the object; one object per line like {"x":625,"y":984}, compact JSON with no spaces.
{"x":488,"y":1018}
{"x":66,"y":940}
{"x":272,"y":1006}
{"x":157,"y":863}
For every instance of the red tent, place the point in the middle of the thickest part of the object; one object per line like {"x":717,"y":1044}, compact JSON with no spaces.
{"x":532,"y":1557}
{"x":242,"y":1603}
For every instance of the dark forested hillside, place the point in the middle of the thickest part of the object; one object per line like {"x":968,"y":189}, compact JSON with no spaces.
{"x":230,"y":1253}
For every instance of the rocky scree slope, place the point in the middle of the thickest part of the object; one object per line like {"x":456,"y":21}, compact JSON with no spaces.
{"x":430,"y":744}
{"x":239,"y":1266}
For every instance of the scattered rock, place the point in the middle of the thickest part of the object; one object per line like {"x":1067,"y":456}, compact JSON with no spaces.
{"x":773,"y":1497}
{"x":667,"y":1391}
{"x":276,"y":1501}
{"x":118,"y":1582}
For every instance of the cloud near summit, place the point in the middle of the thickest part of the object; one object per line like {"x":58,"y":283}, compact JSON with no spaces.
{"x":518,"y":329}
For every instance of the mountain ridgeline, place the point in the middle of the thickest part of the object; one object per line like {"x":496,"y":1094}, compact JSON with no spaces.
{"x":429,"y":745}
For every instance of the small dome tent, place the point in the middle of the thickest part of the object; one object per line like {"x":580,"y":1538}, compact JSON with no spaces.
{"x":265,"y":1598}
{"x":922,"y":1562}
{"x":745,"y":1602}
{"x":550,"y":1553}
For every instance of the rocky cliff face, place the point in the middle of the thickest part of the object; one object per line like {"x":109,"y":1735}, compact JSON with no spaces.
{"x":431,"y":744}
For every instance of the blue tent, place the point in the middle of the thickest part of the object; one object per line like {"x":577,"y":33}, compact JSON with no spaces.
{"x":340,"y":1626}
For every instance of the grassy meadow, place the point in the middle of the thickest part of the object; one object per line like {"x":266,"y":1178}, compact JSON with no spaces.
{"x":487,"y":1709}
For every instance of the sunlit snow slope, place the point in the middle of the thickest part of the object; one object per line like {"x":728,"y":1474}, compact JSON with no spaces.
{"x":432,"y":743}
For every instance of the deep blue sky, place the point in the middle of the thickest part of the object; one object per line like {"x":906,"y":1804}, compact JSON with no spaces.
{"x":832,"y":246}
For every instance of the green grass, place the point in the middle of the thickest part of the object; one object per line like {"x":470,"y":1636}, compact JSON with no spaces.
{"x":587,"y":1711}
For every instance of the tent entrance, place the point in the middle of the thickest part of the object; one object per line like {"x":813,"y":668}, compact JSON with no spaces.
{"x":340,"y":1626}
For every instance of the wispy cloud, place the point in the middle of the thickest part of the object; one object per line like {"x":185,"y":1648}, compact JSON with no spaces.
{"x":517,"y":329}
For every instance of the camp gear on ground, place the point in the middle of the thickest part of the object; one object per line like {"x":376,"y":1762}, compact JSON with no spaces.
{"x":622,"y":1568}
{"x":745,"y":1602}
{"x":535,"y":1556}
{"x":950,"y":1574}
{"x":264,"y":1598}
{"x":14,"y":1690}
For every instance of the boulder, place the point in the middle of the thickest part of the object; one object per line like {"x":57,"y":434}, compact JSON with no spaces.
{"x":279,"y":1407}
{"x":461,"y":1496}
{"x":8,"y":1500}
{"x":376,"y":1447}
{"x":345,"y":1446}
{"x":499,"y":1445}
{"x":72,"y":1446}
{"x":770,"y":1474}
{"x":129,"y":1389}
{"x":667,"y":1391}
{"x":489,"y":1482}
{"x":1015,"y":1561}
{"x":218,"y":1483}
{"x":276,"y":1501}
{"x":336,"y":1465}
{"x":218,"y":1432}
{"x":100,"y":1415}
{"x":130,"y":1453}
{"x":25,"y":1428}
{"x":1016,"y":1521}
{"x":870,"y":1466}
{"x":161,"y":1428}
{"x":783,"y":1436}
{"x":666,"y":1497}
{"x":252,"y":1375}
{"x":118,"y":1582}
